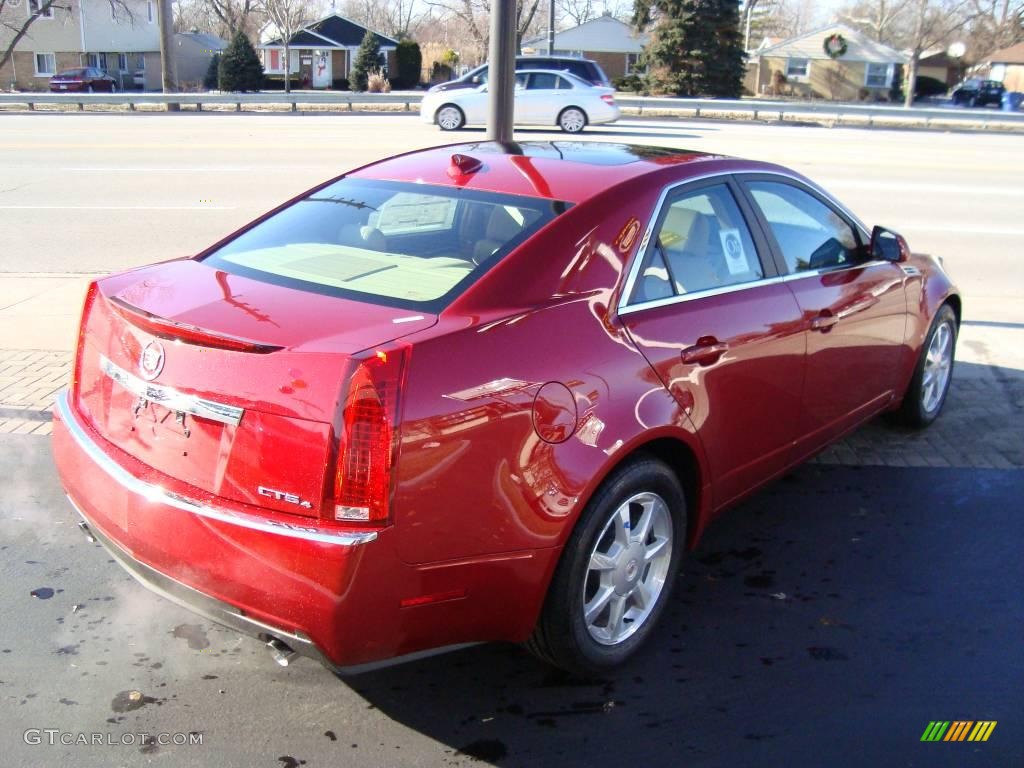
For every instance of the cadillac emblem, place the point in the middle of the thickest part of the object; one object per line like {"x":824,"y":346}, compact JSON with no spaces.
{"x":151,"y":361}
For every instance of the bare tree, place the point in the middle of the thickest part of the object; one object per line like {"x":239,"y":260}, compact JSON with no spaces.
{"x":576,"y":11}
{"x":288,"y":16}
{"x":932,"y":23}
{"x":17,"y":24}
{"x":883,"y":20}
{"x":475,"y":15}
{"x":236,"y":16}
{"x":995,"y":24}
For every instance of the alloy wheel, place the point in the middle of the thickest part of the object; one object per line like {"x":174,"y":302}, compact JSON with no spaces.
{"x":627,"y":568}
{"x":572,"y":120}
{"x":449,"y":118}
{"x":938,"y":363}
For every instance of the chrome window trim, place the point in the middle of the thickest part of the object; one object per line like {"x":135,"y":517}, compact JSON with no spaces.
{"x":625,"y":308}
{"x":155,"y":494}
{"x":172,"y":399}
{"x":655,"y":303}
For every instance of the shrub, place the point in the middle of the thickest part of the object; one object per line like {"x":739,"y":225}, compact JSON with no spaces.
{"x":629,"y":83}
{"x":929,"y":86}
{"x":440,"y":73}
{"x":367,"y":60}
{"x":377,"y":83}
{"x":340,"y":84}
{"x":210,"y":78}
{"x":409,"y":60}
{"x":240,"y":68}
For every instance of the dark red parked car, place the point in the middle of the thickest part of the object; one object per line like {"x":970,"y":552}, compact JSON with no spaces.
{"x":83,"y":80}
{"x":483,"y":392}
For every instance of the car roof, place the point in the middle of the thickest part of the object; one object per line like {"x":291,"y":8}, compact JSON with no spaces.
{"x":571,"y":171}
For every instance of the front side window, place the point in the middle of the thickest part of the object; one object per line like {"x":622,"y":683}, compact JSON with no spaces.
{"x":122,"y":62}
{"x":876,"y":76}
{"x":701,"y":242}
{"x":399,"y":244}
{"x":46,"y":64}
{"x":810,"y":234}
{"x":797,"y":67}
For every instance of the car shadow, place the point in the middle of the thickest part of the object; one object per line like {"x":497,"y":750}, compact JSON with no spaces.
{"x":822,"y":609}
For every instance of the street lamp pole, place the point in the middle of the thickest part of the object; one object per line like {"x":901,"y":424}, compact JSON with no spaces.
{"x":501,"y":76}
{"x":551,"y":27}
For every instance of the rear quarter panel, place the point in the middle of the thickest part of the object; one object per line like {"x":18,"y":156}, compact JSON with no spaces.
{"x":475,"y":478}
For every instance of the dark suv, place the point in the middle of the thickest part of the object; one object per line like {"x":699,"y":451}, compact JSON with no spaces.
{"x":978,"y":93}
{"x":585,"y":69}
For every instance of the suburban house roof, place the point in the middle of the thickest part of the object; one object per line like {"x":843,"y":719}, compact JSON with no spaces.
{"x":204,"y":40}
{"x":332,"y":31}
{"x":605,"y":34}
{"x":1012,"y":55}
{"x":859,"y":47}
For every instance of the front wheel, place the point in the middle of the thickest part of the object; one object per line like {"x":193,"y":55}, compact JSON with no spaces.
{"x":572,"y":120}
{"x":928,"y":388}
{"x":450,"y":118}
{"x":616,"y":573}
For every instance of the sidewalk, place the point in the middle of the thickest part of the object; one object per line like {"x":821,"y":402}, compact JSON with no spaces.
{"x":981,"y":427}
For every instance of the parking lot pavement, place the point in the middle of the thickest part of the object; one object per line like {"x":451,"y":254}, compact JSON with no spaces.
{"x":825,"y":622}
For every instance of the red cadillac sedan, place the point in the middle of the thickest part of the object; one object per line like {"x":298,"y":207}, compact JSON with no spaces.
{"x":485,"y":393}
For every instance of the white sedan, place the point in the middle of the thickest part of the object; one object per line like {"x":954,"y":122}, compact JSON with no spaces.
{"x":542,"y":97}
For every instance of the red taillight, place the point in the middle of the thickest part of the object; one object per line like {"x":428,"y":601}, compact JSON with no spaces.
{"x":608,"y":99}
{"x":369,"y":436}
{"x":76,"y":366}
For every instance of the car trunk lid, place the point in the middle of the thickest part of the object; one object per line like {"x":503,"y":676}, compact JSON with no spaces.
{"x":225,"y":382}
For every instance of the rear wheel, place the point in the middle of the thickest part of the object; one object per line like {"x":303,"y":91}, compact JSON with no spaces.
{"x":616,"y":573}
{"x":927,"y":392}
{"x":572,"y":120}
{"x":450,"y":118}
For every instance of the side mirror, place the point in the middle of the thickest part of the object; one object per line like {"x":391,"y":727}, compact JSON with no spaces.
{"x":886,"y":245}
{"x":475,"y":80}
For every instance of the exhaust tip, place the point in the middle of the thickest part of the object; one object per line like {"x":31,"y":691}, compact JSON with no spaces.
{"x":84,"y":528}
{"x":280,"y":652}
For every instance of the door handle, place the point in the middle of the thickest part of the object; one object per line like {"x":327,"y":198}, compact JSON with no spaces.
{"x":706,"y":351}
{"x":824,"y":322}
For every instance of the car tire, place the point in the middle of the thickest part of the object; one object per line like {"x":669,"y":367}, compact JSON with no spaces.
{"x":630,"y":589}
{"x":449,"y":117}
{"x":572,"y":119}
{"x":929,"y":386}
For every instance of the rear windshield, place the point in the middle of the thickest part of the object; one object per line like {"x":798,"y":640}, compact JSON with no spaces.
{"x":71,"y":73}
{"x":415,"y":246}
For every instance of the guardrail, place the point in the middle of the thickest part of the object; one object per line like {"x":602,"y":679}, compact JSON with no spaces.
{"x":760,"y":109}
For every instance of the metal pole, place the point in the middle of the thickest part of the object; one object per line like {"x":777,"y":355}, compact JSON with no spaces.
{"x":751,"y":4}
{"x":165,"y":16}
{"x":501,"y":78}
{"x":551,"y":27}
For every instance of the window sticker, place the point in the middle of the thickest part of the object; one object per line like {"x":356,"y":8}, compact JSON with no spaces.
{"x":732,"y":247}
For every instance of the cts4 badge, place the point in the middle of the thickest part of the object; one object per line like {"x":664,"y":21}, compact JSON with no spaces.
{"x":289,"y":498}
{"x":151,"y":361}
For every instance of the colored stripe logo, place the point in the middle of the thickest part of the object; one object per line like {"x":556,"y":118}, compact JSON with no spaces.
{"x":958,"y":730}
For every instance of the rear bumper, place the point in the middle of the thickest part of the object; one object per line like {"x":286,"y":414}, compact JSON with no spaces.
{"x":342,"y":597}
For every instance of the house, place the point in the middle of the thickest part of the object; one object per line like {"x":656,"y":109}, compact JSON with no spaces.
{"x":611,"y":43}
{"x":867,"y":69}
{"x":1007,"y":66}
{"x":324,"y":52}
{"x":941,"y":66}
{"x":81,"y":33}
{"x":192,"y":55}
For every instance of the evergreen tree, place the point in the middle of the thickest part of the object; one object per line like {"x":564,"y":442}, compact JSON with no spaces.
{"x":367,"y":60}
{"x":240,"y":68}
{"x":210,"y":79}
{"x":696,"y":47}
{"x":409,"y":61}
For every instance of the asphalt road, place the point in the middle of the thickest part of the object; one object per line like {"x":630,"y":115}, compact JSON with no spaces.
{"x":825,"y":622}
{"x":93,"y":192}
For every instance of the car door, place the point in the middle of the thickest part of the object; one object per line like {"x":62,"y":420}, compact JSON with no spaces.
{"x":704,"y":305}
{"x":854,"y":309}
{"x":541,"y":98}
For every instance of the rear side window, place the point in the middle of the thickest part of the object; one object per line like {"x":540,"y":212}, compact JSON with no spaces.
{"x":401,"y":244}
{"x":702,"y":242}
